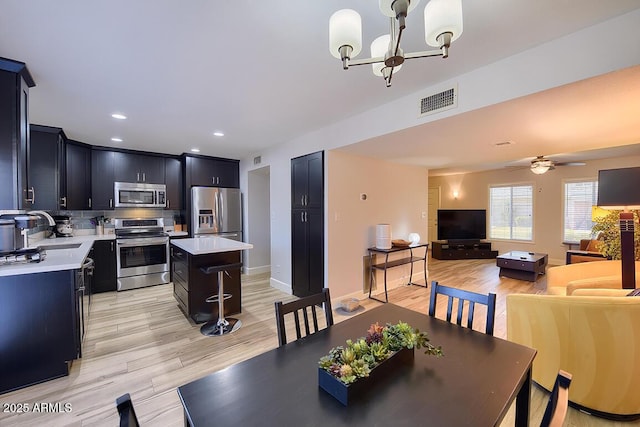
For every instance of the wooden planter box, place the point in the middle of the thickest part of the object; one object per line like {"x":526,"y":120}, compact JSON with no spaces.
{"x":345,"y":393}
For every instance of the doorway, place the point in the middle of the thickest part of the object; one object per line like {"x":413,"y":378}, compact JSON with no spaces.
{"x":433,"y":203}
{"x":258,"y":259}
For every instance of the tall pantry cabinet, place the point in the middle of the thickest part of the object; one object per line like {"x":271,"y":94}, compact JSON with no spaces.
{"x":307,"y":224}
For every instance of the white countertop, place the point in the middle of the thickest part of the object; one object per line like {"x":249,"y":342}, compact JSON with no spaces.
{"x":210,"y":245}
{"x":56,"y":259}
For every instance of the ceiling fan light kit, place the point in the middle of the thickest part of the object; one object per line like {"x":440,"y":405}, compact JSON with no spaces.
{"x":442,"y":22}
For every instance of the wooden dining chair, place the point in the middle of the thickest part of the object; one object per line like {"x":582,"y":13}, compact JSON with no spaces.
{"x":127,"y":413}
{"x":463,"y":296}
{"x":558,"y":401}
{"x":303,"y":306}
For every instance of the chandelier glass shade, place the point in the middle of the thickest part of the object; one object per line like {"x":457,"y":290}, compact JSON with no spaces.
{"x":442,"y":21}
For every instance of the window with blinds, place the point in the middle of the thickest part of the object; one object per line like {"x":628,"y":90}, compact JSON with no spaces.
{"x":511,"y":212}
{"x":579,"y":197}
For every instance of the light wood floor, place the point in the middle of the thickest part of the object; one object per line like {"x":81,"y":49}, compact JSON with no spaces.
{"x":139,"y":342}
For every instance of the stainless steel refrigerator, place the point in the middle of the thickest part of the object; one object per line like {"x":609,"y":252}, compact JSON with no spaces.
{"x":216,"y":211}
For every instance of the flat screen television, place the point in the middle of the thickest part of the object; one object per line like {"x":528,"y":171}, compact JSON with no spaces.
{"x":462,"y":224}
{"x":618,"y":188}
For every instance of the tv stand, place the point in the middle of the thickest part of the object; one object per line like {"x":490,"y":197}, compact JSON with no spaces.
{"x":457,"y":249}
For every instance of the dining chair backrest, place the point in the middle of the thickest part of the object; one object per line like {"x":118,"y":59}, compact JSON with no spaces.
{"x":558,"y":401}
{"x":463,"y":296}
{"x":303,"y":306}
{"x":127,"y":413}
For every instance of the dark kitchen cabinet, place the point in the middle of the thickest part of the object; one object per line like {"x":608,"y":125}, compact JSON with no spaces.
{"x":104,"y":273}
{"x":45,"y":167}
{"x":15,"y":81}
{"x":307,"y":224}
{"x":307,"y":182}
{"x":307,"y":252}
{"x":130,"y":167}
{"x":102,"y":178}
{"x":173,"y":179}
{"x":212,"y":172}
{"x":77,"y":177}
{"x":41,"y":344}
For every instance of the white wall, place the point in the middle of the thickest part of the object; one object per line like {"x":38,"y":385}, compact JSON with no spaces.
{"x":396,"y":195}
{"x":548,"y":199}
{"x":584,"y":54}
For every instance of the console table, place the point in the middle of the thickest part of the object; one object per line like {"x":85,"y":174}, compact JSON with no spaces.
{"x":462,"y":250}
{"x":395,"y":263}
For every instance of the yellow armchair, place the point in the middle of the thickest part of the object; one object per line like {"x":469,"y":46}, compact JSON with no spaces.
{"x":565,"y":279}
{"x":596,"y":338}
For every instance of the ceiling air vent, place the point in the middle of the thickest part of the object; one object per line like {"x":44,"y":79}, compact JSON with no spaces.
{"x":441,"y":101}
{"x":257,"y":160}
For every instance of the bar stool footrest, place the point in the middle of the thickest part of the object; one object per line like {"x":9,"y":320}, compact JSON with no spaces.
{"x":214,"y":298}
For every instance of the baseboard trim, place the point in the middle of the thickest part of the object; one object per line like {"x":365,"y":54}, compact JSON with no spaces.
{"x":281,"y":286}
{"x":257,"y":270}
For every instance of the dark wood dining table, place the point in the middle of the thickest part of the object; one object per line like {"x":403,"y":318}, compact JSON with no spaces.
{"x":473,"y":384}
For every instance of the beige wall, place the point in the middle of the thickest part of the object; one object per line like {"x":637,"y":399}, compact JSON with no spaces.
{"x":473,"y":189}
{"x":396,"y":194}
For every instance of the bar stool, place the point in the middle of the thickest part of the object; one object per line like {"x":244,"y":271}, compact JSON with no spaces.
{"x":221,"y":326}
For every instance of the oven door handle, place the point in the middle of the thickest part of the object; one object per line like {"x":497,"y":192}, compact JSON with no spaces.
{"x":145,"y":241}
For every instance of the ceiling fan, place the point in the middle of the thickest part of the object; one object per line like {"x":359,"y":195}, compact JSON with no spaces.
{"x":540,"y":165}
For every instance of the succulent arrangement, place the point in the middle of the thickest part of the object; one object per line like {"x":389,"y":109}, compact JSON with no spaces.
{"x":359,"y":357}
{"x":607,"y":227}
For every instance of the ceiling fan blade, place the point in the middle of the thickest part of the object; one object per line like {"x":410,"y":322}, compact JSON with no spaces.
{"x":570,"y":163}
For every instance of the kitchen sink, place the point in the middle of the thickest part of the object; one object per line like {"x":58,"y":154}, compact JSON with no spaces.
{"x":63,"y":246}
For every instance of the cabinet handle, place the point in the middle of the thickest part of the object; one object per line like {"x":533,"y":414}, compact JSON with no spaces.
{"x":306,"y":216}
{"x":213,"y":180}
{"x":138,"y":176}
{"x":302,"y":200}
{"x":110,"y":203}
{"x":89,"y":202}
{"x":31,"y":200}
{"x":168,"y":203}
{"x":63,"y":202}
{"x":112,"y":246}
{"x":301,"y":216}
{"x":144,"y":177}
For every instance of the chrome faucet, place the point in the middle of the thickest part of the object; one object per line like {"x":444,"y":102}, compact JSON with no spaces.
{"x":45,"y":215}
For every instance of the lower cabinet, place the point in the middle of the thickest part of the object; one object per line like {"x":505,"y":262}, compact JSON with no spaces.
{"x":192,"y":287}
{"x":38,"y":327}
{"x":104,"y":273}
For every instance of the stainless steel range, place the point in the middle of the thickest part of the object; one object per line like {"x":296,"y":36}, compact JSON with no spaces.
{"x":142,"y":252}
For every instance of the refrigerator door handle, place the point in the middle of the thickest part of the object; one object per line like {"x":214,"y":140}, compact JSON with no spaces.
{"x":221,"y":212}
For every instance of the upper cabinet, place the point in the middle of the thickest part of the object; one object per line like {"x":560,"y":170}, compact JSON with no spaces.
{"x":102,"y":178}
{"x":77,"y":180}
{"x":45,"y":168}
{"x":173,"y":179}
{"x":15,"y":81}
{"x":211,"y":172}
{"x":131,"y":167}
{"x":307,"y":180}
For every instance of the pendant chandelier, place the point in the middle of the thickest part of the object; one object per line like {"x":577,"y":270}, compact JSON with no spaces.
{"x":442,"y":22}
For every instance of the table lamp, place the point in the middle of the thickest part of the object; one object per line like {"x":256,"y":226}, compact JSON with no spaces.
{"x":618,"y":189}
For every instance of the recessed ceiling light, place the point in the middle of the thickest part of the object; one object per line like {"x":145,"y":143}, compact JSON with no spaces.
{"x":195,"y":150}
{"x":218,"y":133}
{"x":114,"y":139}
{"x":118,"y":116}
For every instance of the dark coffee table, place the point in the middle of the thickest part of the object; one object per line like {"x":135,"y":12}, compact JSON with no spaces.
{"x":522,"y":265}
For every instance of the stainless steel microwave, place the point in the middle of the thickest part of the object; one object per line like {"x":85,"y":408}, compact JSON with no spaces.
{"x":137,"y":195}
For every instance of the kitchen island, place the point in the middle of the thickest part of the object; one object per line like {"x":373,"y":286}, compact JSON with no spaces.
{"x":192,"y":287}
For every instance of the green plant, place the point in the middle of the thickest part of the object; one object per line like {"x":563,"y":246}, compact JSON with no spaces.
{"x":359,"y":357}
{"x":609,"y":233}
